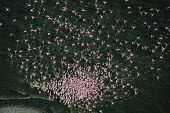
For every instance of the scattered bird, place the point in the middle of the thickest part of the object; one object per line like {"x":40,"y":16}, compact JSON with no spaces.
{"x":77,"y":54}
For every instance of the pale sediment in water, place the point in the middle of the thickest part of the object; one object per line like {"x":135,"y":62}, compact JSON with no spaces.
{"x":19,"y":109}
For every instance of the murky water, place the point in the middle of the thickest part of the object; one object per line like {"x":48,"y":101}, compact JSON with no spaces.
{"x":90,"y":54}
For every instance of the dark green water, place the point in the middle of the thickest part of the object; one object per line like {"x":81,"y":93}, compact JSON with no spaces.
{"x":153,"y":85}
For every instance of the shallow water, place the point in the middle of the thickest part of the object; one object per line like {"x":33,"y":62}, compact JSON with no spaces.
{"x":59,"y":50}
{"x":18,"y":109}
